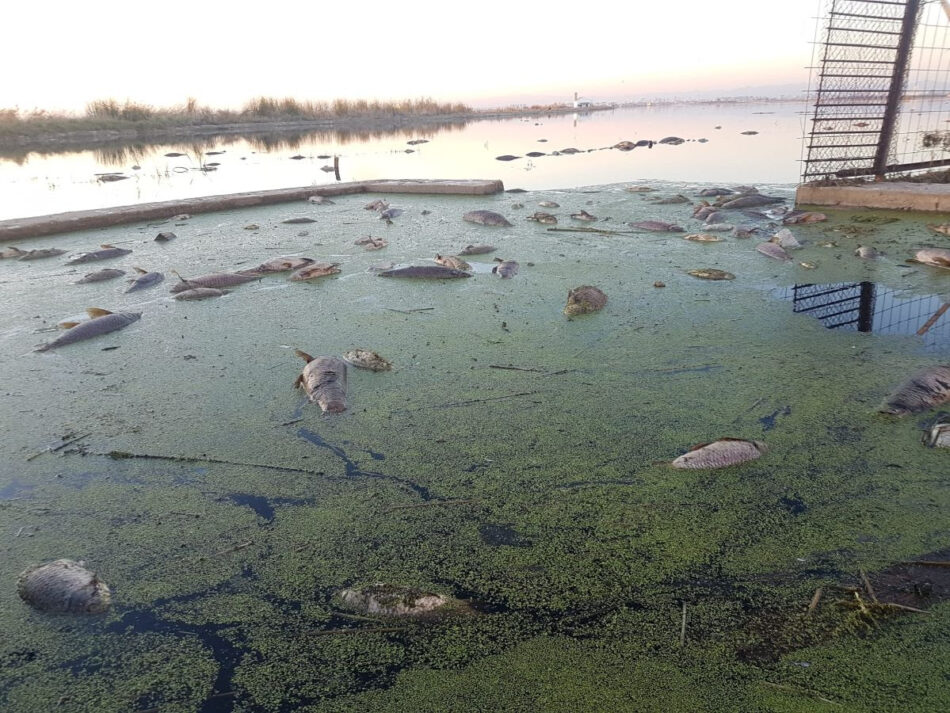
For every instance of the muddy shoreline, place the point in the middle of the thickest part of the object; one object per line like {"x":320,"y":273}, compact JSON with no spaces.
{"x":90,"y":138}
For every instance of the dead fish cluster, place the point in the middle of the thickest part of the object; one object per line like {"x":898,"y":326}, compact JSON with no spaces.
{"x":65,"y":587}
{"x":584,"y":300}
{"x":101,"y":321}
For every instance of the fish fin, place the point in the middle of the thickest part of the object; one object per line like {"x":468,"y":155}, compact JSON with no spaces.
{"x":140,"y":271}
{"x":942,"y":261}
{"x":94,"y":312}
{"x":303,"y":355}
{"x":106,"y":245}
{"x":438,"y":257}
{"x":175,"y":273}
{"x":42,"y":348}
{"x":67,"y":325}
{"x":298,"y":382}
{"x":703,"y":445}
{"x":497,"y":259}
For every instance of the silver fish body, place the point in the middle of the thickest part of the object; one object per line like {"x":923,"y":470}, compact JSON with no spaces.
{"x":100,"y":276}
{"x":720,"y":454}
{"x":105,"y":254}
{"x":924,"y":390}
{"x":65,"y":587}
{"x":486,"y":217}
{"x":776,"y":252}
{"x":431,"y":272}
{"x":200,"y":293}
{"x":146,"y":280}
{"x":93,"y":328}
{"x":215,"y":279}
{"x":506,"y":269}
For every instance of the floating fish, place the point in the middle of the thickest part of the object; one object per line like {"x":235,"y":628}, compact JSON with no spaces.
{"x":367,"y":359}
{"x":713,"y":192}
{"x":317,"y":269}
{"x":200,"y":293}
{"x":935,"y":257}
{"x":505,"y":269}
{"x":377,"y":205}
{"x":278,"y":264}
{"x":773,"y":251}
{"x":549,"y":204}
{"x":671,"y":200}
{"x":107,"y":252}
{"x":144,"y":280}
{"x":320,"y":200}
{"x":751,"y":201}
{"x":430,"y":272}
{"x":866,"y":252}
{"x":785,"y":239}
{"x":390,"y":213}
{"x":486,"y":217}
{"x":477,"y":249}
{"x":584,"y":215}
{"x":298,"y":221}
{"x":11,"y":252}
{"x":64,"y":587}
{"x":797,"y":217}
{"x":657,"y":226}
{"x":720,"y":454}
{"x":718,"y":227}
{"x":639,"y":189}
{"x":386,"y":600}
{"x":100,"y":276}
{"x":370,"y":243}
{"x":543,"y":218}
{"x":101,"y":321}
{"x":703,"y":238}
{"x":165,"y":237}
{"x":926,"y":389}
{"x":452,"y":261}
{"x":938,"y":436}
{"x":584,"y":300}
{"x":324,"y":380}
{"x":709,"y":273}
{"x":215,"y":279}
{"x":506,"y":157}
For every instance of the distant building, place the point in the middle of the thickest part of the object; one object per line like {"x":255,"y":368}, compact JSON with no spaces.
{"x":580,"y":103}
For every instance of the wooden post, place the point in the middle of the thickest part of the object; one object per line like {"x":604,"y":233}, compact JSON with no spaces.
{"x":336,"y":167}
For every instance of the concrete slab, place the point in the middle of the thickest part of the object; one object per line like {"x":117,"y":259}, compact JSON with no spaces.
{"x":20,"y":228}
{"x":924,"y":197}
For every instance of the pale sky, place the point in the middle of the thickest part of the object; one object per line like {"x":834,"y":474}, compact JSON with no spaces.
{"x":60,"y":54}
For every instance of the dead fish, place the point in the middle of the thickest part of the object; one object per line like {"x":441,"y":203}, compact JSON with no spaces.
{"x":252,"y":226}
{"x":671,"y":200}
{"x":278,"y":264}
{"x":181,"y":216}
{"x":943,"y":228}
{"x":672,"y":140}
{"x":773,"y":251}
{"x":657,"y":226}
{"x":743,"y":232}
{"x":452,"y":261}
{"x":63,"y":586}
{"x":107,"y":252}
{"x":543,"y":218}
{"x":584,"y":300}
{"x":938,"y":436}
{"x":386,"y":600}
{"x":570,"y":150}
{"x":215,"y":279}
{"x":701,"y":212}
{"x":486,"y":217}
{"x":717,"y":216}
{"x":749,"y":133}
{"x":505,"y":269}
{"x":710,"y":273}
{"x":377,"y":205}
{"x":797,"y":217}
{"x":390,"y":213}
{"x":298,"y":221}
{"x":935,"y":257}
{"x":380,"y":266}
{"x":477,"y":249}
{"x":324,"y":380}
{"x":549,"y":204}
{"x":100,"y":276}
{"x":703,"y":238}
{"x":927,"y":388}
{"x":367,"y":359}
{"x":165,"y":237}
{"x":720,"y":454}
{"x":584,"y":215}
{"x":506,"y":157}
{"x":317,"y":269}
{"x":144,"y":280}
{"x":718,"y":227}
{"x":370,"y":243}
{"x":535,"y":154}
{"x":11,"y":252}
{"x":785,"y":239}
{"x":639,"y":189}
{"x":808,"y":265}
{"x":425,"y":272}
{"x":200,"y":293}
{"x":624,"y":145}
{"x":866,"y":252}
{"x":101,"y":321}
{"x":320,"y":200}
{"x":751,"y":201}
{"x":713,"y":192}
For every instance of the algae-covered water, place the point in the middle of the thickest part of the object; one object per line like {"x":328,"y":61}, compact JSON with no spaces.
{"x":540,"y":494}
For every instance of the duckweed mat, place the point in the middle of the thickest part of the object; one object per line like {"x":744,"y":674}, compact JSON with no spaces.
{"x":514,"y":459}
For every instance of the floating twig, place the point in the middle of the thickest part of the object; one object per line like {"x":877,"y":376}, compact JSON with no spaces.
{"x":797,"y":689}
{"x":867,"y":586}
{"x":815,"y":598}
{"x":59,"y":446}
{"x":236,"y":548}
{"x":430,"y":503}
{"x":933,"y":320}
{"x":360,"y":630}
{"x":904,"y":607}
{"x":492,"y":398}
{"x":290,"y":423}
{"x":122,"y":455}
{"x":683,"y":627}
{"x":515,"y":368}
{"x":410,"y":311}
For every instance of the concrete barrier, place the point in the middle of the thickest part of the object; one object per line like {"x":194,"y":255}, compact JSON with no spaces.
{"x":924,"y":197}
{"x":37,"y":226}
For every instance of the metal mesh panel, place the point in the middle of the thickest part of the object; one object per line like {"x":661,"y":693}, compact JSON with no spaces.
{"x":879,"y":91}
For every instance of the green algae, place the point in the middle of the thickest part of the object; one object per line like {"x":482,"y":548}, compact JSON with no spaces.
{"x":237,"y":566}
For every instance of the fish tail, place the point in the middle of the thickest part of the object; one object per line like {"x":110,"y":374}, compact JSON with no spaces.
{"x":303,"y":355}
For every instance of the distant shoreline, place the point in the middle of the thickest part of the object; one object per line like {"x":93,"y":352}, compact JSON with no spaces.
{"x":86,"y":132}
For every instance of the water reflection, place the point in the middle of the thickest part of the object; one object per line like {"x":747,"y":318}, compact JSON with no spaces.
{"x":870,"y":307}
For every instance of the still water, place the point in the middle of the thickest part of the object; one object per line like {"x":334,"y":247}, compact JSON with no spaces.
{"x":715,"y":150}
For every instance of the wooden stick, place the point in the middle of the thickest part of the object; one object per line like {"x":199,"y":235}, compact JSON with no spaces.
{"x":493,"y":398}
{"x":62,"y":444}
{"x":121,"y":455}
{"x":601,"y":231}
{"x":360,"y":630}
{"x":514,"y":368}
{"x":410,"y":311}
{"x":683,"y":627}
{"x":933,"y":320}
{"x":336,"y":167}
{"x":796,"y":689}
{"x":816,"y":597}
{"x":867,"y":586}
{"x":229,"y":550}
{"x":904,"y":607}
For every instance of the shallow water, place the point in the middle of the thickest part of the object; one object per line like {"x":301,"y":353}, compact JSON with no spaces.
{"x":539,"y":493}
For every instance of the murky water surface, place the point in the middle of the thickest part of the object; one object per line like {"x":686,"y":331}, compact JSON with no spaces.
{"x":513,"y":458}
